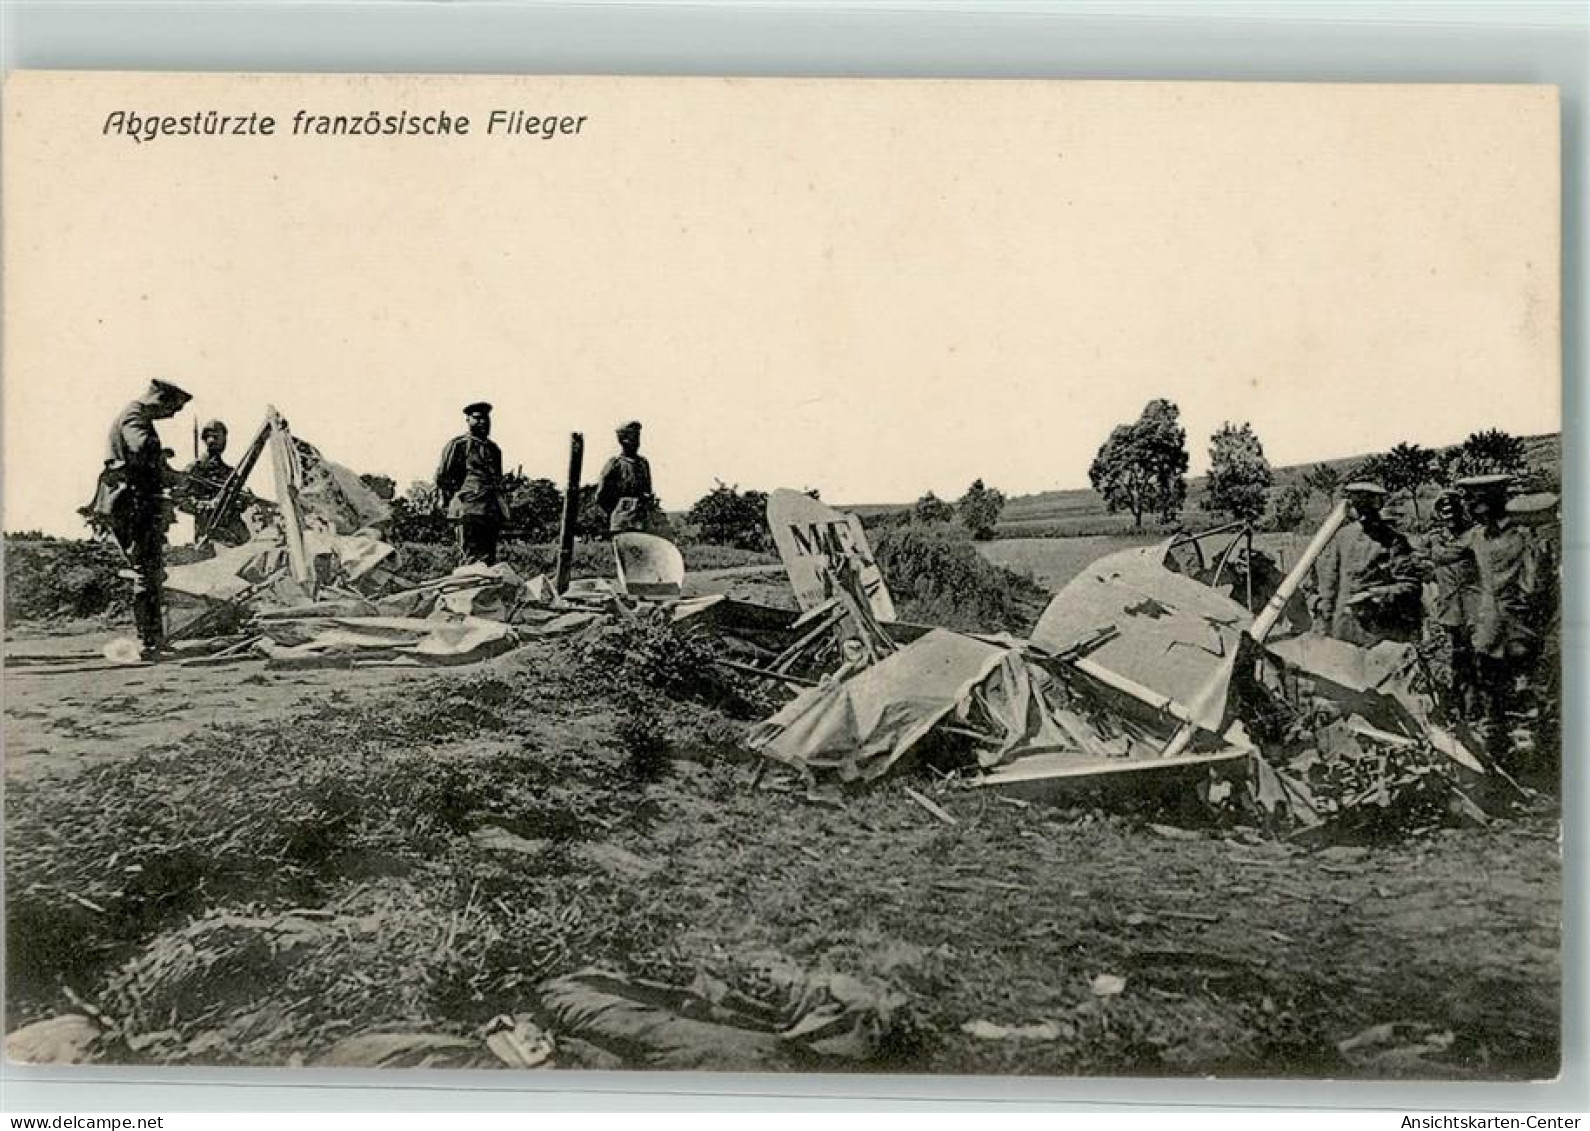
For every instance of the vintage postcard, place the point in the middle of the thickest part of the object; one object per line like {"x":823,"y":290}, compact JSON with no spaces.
{"x":936,"y":577}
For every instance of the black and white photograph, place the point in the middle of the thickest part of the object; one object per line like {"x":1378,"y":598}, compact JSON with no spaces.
{"x":944,"y":578}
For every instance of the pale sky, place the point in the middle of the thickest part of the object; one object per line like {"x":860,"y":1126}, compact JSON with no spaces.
{"x":872,"y":287}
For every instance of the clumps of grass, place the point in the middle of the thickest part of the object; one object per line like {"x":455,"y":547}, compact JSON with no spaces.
{"x":103,"y":860}
{"x":649,"y":656}
{"x":937,"y":577}
{"x":671,"y":694}
{"x":247,"y":984}
{"x":52,"y":579}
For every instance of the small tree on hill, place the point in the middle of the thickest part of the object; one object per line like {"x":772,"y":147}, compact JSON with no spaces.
{"x":930,"y":509}
{"x":1408,"y":467}
{"x":1370,"y":469}
{"x":980,"y":509}
{"x":1239,"y":475}
{"x":725,"y":516}
{"x":1323,"y":479}
{"x":1288,"y":507}
{"x":1142,"y":467}
{"x":1491,"y":452}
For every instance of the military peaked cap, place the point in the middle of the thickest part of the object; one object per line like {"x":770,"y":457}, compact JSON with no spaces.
{"x":169,"y":393}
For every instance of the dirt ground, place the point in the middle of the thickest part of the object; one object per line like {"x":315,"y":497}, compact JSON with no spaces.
{"x":1027,"y":939}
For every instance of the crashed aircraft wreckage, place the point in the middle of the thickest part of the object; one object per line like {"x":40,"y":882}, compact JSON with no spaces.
{"x":1137,"y":672}
{"x":1139,"y":676}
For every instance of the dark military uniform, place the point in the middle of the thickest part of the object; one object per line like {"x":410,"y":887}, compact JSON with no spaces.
{"x":624,"y":493}
{"x":205,"y":478}
{"x":470,"y":480}
{"x":1457,"y":598}
{"x":1368,"y":586}
{"x":1505,"y":632}
{"x":130,"y":501}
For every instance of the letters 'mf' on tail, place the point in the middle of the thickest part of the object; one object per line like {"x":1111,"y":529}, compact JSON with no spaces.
{"x":816,"y":544}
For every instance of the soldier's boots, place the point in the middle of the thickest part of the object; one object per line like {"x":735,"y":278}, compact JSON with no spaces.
{"x":150,"y":621}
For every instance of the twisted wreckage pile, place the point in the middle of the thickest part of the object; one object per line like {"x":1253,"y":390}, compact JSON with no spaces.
{"x":1139,"y":679}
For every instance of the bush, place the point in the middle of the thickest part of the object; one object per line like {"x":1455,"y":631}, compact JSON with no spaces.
{"x":53,"y":579}
{"x":980,"y":509}
{"x":727,"y":517}
{"x":930,"y":510}
{"x":535,"y":508}
{"x":1288,"y":508}
{"x":938,"y":577}
{"x":642,"y":658}
{"x":416,"y":520}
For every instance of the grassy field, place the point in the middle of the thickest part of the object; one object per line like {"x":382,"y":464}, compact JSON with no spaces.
{"x":1051,"y":562}
{"x":243,"y":865}
{"x":1081,"y":513}
{"x":386,"y":852}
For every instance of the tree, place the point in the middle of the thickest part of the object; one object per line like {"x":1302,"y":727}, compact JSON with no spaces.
{"x":1408,"y":467}
{"x":1491,"y":452}
{"x":1323,"y":480}
{"x":1370,"y":469}
{"x":535,"y":507}
{"x":1287,"y":508}
{"x":1142,"y":467}
{"x":590,"y":520}
{"x":725,"y":516}
{"x":930,"y":509}
{"x":979,"y":509}
{"x":384,"y":486}
{"x":1239,"y":475}
{"x":418,"y":517}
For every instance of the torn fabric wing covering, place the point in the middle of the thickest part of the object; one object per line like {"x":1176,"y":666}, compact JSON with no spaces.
{"x":863,"y":726}
{"x":330,"y":496}
{"x":234,"y":570}
{"x":316,"y":638}
{"x":1174,"y":631}
{"x":988,"y":690}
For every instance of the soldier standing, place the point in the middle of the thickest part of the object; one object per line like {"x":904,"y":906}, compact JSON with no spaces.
{"x":1457,"y":594}
{"x":624,"y":489}
{"x":470,"y":482}
{"x":131,"y":502}
{"x":207,"y":475}
{"x":1537,"y":514}
{"x":1367,"y":581}
{"x":1505,"y":631}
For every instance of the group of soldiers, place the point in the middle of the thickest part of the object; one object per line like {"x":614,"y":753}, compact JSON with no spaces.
{"x":138,"y":493}
{"x":470,"y":483}
{"x":1491,"y":569}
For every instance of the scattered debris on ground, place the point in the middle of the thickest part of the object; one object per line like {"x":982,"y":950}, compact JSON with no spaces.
{"x":643,"y":828}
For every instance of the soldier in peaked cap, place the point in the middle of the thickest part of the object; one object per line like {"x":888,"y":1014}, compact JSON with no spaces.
{"x":470,"y":481}
{"x":1507,"y":621}
{"x":132,"y":505}
{"x":624,"y":489}
{"x":1457,"y":594}
{"x":1367,"y":581}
